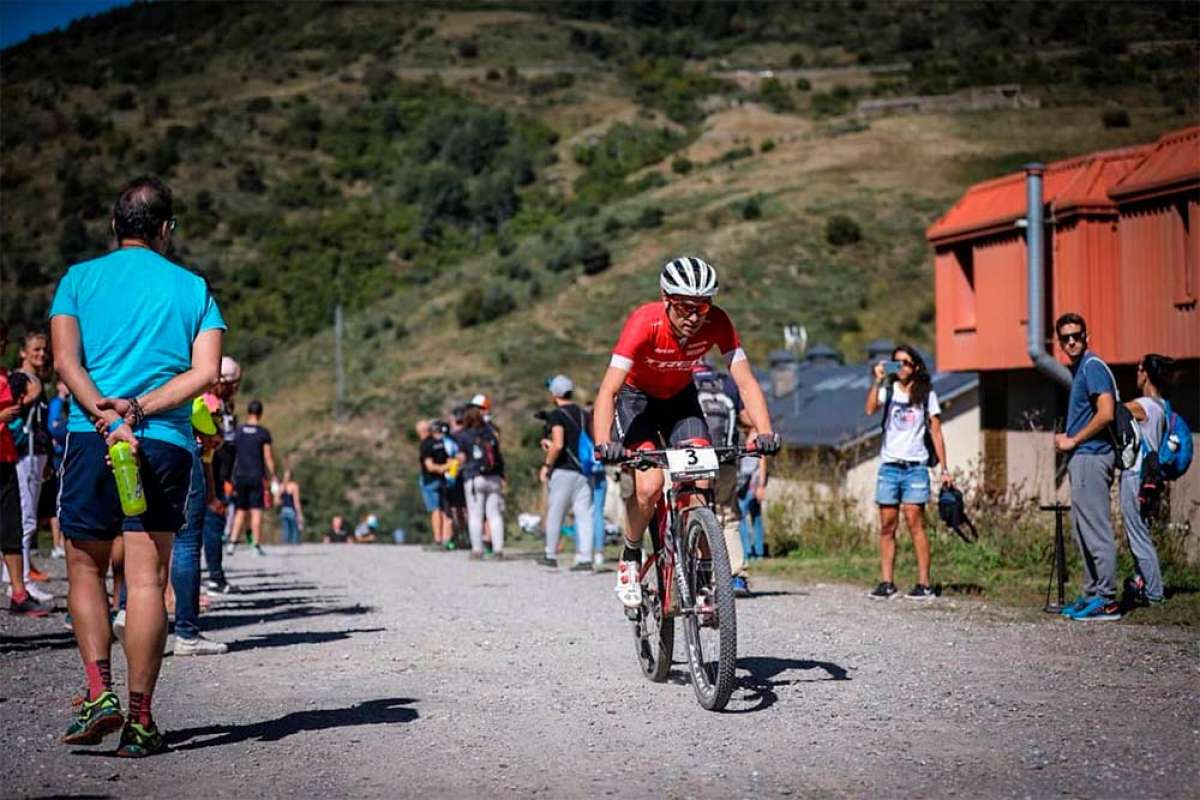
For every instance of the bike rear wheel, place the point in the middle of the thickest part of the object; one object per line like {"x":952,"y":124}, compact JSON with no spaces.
{"x":711,"y":630}
{"x":653,"y":630}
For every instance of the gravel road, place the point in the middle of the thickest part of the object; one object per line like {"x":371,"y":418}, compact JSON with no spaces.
{"x":364,"y":671}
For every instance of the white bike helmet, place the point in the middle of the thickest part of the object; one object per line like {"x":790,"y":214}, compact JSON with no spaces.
{"x":688,"y":277}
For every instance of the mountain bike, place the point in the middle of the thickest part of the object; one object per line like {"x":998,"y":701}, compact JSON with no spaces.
{"x":686,"y":575}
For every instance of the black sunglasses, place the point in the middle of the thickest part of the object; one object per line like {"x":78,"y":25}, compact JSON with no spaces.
{"x":1066,"y":338}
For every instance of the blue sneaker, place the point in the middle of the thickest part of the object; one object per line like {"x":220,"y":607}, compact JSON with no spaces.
{"x":1098,"y":609}
{"x":1074,"y":608}
{"x":740,"y":587}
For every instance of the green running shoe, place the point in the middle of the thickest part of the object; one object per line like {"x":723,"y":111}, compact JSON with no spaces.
{"x":139,"y":741}
{"x":95,"y":719}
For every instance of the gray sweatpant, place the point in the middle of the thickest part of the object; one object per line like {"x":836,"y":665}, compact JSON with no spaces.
{"x":1138,"y":533}
{"x":485,"y":497}
{"x":1091,"y":479}
{"x":569,"y":488}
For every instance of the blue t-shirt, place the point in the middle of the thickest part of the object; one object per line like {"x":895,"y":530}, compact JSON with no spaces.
{"x":1091,"y":379}
{"x":138,"y":315}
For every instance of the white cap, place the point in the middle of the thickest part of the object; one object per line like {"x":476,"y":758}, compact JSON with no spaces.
{"x":560,"y":386}
{"x":230,"y":370}
{"x":481,"y":401}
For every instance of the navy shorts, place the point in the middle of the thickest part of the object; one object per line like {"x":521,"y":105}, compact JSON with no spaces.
{"x":89,"y":508}
{"x":247,"y":495}
{"x":643,"y":421}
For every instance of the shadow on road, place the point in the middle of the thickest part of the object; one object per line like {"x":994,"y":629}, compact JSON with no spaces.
{"x":217,"y":621}
{"x":288,"y":639}
{"x":60,"y":640}
{"x":269,"y":588}
{"x":758,"y":682}
{"x":372,"y":712}
{"x":225,"y":604}
{"x":775,"y":593}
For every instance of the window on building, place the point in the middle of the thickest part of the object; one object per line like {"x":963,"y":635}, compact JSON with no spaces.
{"x":1183,"y":276}
{"x":964,"y":289}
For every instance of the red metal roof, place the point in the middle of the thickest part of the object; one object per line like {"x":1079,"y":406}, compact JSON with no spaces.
{"x":1173,"y":163}
{"x":1072,"y":185}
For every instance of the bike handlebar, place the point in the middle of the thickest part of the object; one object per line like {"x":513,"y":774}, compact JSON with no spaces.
{"x":650,"y":459}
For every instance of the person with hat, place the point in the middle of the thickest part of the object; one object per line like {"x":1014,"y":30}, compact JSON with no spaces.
{"x":566,"y":475}
{"x":185,"y":553}
{"x":365,"y":532}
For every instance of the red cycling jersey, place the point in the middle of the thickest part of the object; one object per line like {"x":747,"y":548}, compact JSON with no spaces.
{"x":658,"y":362}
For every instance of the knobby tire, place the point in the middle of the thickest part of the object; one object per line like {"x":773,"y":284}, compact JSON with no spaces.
{"x":654,"y":631}
{"x":713,"y":681}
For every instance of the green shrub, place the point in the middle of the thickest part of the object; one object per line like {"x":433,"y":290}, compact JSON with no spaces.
{"x":767,"y":146}
{"x":775,"y":96}
{"x":803,"y":85}
{"x":735,"y":154}
{"x":468,"y":49}
{"x":651,"y":217}
{"x":1115,"y":118}
{"x":622,"y":150}
{"x":751,"y":208}
{"x":248,"y":179}
{"x":594,"y":257}
{"x":681,"y":165}
{"x":515,"y":270}
{"x":480,"y":305}
{"x":560,"y":261}
{"x":840,"y":230}
{"x":796,"y":60}
{"x":833,"y":103}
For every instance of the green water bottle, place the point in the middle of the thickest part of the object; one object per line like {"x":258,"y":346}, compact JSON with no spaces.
{"x":129,"y":481}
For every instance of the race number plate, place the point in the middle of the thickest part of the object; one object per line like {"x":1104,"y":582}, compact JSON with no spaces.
{"x":692,"y":461}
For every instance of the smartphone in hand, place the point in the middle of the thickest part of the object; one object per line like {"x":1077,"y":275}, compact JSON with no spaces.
{"x":891,"y":367}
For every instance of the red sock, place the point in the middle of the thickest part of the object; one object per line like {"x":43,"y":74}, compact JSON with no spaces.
{"x":20,"y":597}
{"x":99,"y":677}
{"x":139,"y":707}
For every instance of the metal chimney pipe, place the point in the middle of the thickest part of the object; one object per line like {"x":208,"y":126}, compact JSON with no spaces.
{"x":1036,"y":278}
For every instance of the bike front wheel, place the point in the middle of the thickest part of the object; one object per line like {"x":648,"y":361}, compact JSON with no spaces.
{"x":711,"y":626}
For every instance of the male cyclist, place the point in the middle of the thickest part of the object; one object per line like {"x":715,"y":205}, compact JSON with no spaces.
{"x":648,"y":395}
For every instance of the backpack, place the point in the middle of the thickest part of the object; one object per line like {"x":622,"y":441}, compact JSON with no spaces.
{"x":1175,"y":450}
{"x":485,"y":452}
{"x":932,"y":459}
{"x":585,"y":451}
{"x":719,"y":411}
{"x":953,"y":512}
{"x":29,"y":430}
{"x":1124,"y":431}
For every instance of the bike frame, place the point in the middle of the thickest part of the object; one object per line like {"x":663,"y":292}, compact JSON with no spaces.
{"x":673,"y":504}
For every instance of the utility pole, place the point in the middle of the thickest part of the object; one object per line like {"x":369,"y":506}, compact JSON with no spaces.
{"x":339,"y":391}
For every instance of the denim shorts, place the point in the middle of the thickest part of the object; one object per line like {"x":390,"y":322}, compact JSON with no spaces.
{"x":431,"y":494}
{"x":902,"y":484}
{"x":89,"y":508}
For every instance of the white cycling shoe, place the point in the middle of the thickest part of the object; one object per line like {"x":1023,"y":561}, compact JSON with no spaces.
{"x":628,"y":588}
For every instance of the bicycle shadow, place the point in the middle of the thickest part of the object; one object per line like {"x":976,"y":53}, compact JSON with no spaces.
{"x":216,"y":621}
{"x":758,"y":679}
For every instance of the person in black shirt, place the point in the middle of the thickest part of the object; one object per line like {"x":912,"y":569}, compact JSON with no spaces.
{"x":433,"y":484}
{"x":338,"y":533}
{"x":564,"y":475}
{"x":254,"y":465}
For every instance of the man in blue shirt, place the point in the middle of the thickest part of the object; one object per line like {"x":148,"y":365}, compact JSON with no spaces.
{"x":135,"y":337}
{"x":1091,"y":458}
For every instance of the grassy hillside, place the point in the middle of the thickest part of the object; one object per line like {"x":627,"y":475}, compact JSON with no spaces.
{"x":487,"y":192}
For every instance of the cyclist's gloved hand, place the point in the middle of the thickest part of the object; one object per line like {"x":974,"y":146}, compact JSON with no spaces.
{"x":610,"y":452}
{"x":768,"y":443}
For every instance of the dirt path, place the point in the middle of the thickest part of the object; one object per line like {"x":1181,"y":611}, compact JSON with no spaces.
{"x":393,"y":672}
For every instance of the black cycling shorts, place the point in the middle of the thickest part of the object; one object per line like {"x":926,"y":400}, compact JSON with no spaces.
{"x":646,"y":422}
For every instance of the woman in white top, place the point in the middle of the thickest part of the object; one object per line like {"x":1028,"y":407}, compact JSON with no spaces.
{"x":1153,"y":378}
{"x":912,"y":427}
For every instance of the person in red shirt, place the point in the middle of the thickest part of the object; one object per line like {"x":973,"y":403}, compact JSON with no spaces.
{"x":647,"y":397}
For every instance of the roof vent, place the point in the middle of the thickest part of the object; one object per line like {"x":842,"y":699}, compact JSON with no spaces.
{"x":880,"y":350}
{"x":823,"y":354}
